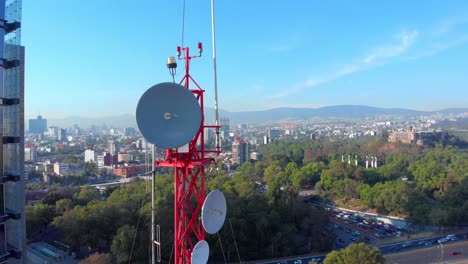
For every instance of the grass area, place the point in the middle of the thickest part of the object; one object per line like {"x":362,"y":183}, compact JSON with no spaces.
{"x":354,"y":204}
{"x":358,"y":205}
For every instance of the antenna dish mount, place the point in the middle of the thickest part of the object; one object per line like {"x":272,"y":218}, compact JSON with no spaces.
{"x":168,"y":115}
{"x":214,"y":212}
{"x":200,"y":253}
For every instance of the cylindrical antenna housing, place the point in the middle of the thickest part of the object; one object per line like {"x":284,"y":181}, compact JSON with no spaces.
{"x":200,"y":48}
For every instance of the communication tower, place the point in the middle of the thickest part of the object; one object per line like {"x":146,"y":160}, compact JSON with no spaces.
{"x":171,"y":116}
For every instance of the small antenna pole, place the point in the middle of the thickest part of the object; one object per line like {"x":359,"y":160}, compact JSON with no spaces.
{"x":153,"y":177}
{"x":218,"y":143}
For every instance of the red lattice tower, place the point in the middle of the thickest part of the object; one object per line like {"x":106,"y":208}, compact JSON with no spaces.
{"x":189,"y":176}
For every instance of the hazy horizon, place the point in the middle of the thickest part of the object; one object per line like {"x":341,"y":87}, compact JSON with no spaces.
{"x":32,"y":116}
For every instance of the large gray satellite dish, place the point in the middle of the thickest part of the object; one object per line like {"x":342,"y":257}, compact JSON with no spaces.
{"x":214,"y":212}
{"x":168,"y":115}
{"x":200,"y":253}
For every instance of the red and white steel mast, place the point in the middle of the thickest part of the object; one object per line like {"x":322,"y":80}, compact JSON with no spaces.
{"x":189,"y":174}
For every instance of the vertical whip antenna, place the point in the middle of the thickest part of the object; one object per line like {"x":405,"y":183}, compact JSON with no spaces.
{"x":218,"y":143}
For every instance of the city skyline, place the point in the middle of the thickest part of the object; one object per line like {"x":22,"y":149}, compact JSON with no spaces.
{"x":96,"y":59}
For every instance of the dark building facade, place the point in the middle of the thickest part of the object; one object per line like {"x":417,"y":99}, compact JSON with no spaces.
{"x":38,"y":125}
{"x":12,"y":217}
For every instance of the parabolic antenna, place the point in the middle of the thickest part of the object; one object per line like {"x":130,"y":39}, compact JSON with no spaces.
{"x":168,"y":115}
{"x":214,"y":212}
{"x":200,"y":253}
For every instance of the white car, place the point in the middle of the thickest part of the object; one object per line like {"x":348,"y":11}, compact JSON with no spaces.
{"x":442,"y":240}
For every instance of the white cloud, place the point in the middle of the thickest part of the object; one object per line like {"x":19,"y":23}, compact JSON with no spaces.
{"x":448,"y":25}
{"x":447,"y":34}
{"x":405,"y":40}
{"x":377,"y":56}
{"x":440,"y":47}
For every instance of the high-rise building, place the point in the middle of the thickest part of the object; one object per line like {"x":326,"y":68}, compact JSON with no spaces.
{"x":114,"y":147}
{"x":53,"y":131}
{"x":61,"y":168}
{"x":129,"y":131}
{"x":62,"y":134}
{"x":90,"y":155}
{"x":38,"y":125}
{"x":109,"y":159}
{"x":141,"y":143}
{"x":30,"y":154}
{"x":12,"y":220}
{"x":225,"y":127}
{"x":209,"y":135}
{"x":240,"y":151}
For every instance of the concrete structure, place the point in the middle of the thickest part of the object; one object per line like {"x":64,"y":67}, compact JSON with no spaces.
{"x":90,"y":155}
{"x":240,"y":151}
{"x":129,"y":131}
{"x":109,"y":159}
{"x":141,"y":143}
{"x":61,"y":169}
{"x":125,"y":157}
{"x":422,"y":138}
{"x":53,"y":131}
{"x":100,"y":161}
{"x":62,"y":134}
{"x":275,"y":133}
{"x":114,"y":147}
{"x":256,"y":156}
{"x":106,"y":159}
{"x":225,"y":127}
{"x":128,"y":170}
{"x":12,"y":217}
{"x":38,"y":125}
{"x":406,"y":137}
{"x":209,"y":135}
{"x":30,"y":154}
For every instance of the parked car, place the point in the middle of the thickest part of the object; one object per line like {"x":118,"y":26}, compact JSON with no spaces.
{"x":454,"y":253}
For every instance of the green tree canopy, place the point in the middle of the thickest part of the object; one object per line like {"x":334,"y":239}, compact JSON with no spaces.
{"x":51,"y":198}
{"x":37,"y":216}
{"x":63,"y":205}
{"x":355,"y":254}
{"x":86,"y":195}
{"x":122,"y":243}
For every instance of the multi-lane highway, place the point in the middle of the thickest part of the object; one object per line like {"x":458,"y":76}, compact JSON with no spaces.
{"x":422,"y":251}
{"x":432,"y":254}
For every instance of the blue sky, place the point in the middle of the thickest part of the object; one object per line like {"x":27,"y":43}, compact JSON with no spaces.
{"x":96,"y":58}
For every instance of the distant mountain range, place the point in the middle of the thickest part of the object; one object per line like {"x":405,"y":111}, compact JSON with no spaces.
{"x":264,"y":116}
